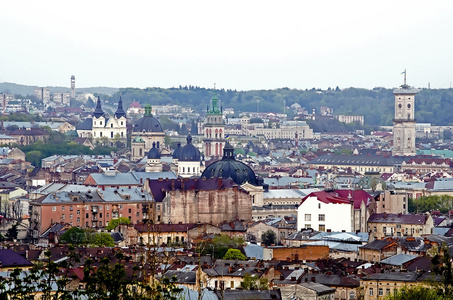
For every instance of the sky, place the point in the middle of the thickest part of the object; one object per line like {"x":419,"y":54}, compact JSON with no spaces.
{"x":243,"y":45}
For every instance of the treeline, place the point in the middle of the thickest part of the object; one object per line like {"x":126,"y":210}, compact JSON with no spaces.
{"x":60,"y":144}
{"x":442,"y":203}
{"x":377,"y":105}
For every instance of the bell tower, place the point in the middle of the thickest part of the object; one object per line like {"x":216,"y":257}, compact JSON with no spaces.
{"x":404,"y":121}
{"x":214,"y":129}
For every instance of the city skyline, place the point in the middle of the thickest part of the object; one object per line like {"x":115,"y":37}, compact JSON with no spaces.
{"x":243,"y":46}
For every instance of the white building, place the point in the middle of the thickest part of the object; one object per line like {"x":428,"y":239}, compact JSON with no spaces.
{"x":325,"y":213}
{"x":100,"y":126}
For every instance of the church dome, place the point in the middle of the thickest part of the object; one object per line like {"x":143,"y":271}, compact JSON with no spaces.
{"x":147,"y":123}
{"x":229,"y":167}
{"x":138,"y":139}
{"x":154,"y":153}
{"x":189,"y":152}
{"x":177,"y":152}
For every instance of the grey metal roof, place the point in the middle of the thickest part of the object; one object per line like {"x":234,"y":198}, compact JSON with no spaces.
{"x":399,"y":259}
{"x":319,"y":288}
{"x":254,"y":251}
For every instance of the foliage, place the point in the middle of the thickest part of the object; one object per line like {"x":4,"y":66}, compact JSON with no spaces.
{"x":234,"y":254}
{"x":12,"y":232}
{"x":113,"y":223}
{"x":220,"y":244}
{"x":254,"y":283}
{"x":416,"y":292}
{"x":443,"y":203}
{"x":443,"y":270}
{"x":269,"y":237}
{"x":101,"y":239}
{"x":74,"y":236}
{"x":21,"y":117}
{"x":37,"y":151}
{"x":108,"y":280}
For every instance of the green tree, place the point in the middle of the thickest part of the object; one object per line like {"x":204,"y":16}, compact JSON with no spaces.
{"x":234,"y":254}
{"x":34,"y":157}
{"x":102,"y":239}
{"x":443,"y":282}
{"x":74,"y":236}
{"x":12,"y":232}
{"x":416,"y":292}
{"x":253,"y":282}
{"x":269,"y":237}
{"x":113,"y":223}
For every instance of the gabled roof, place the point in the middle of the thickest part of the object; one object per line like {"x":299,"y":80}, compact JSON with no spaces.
{"x":9,"y":258}
{"x":398,"y":219}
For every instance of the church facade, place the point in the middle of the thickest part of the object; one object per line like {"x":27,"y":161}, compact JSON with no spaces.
{"x":102,"y":126}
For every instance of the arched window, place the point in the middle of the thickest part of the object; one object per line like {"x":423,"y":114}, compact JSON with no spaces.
{"x":183,"y":169}
{"x":140,"y":151}
{"x":157,"y":144}
{"x":111,"y":125}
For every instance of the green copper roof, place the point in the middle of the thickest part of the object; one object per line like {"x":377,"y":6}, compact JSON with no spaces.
{"x":138,"y":139}
{"x":148,"y":110}
{"x":215,"y":110}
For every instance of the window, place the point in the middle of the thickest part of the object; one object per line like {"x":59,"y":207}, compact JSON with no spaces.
{"x":108,"y":215}
{"x":100,"y":223}
{"x":107,"y":207}
{"x":130,"y":210}
{"x":322,"y":227}
{"x":307,"y":226}
{"x":381,"y":292}
{"x":121,"y":206}
{"x":322,"y":217}
{"x":384,"y":230}
{"x":54,"y":208}
{"x":78,"y":211}
{"x":374,"y":229}
{"x":100,"y":215}
{"x":351,"y":295}
{"x":307,"y":217}
{"x":111,"y":126}
{"x":62,"y":217}
{"x":70,"y":208}
{"x":398,"y":225}
{"x":138,"y":214}
{"x":387,"y":292}
{"x":371,"y":292}
{"x":87,"y":215}
{"x":70,"y":216}
{"x":62,"y":208}
{"x":158,"y":208}
{"x":78,"y":219}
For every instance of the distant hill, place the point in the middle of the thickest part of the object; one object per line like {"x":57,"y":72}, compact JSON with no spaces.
{"x":24,"y":90}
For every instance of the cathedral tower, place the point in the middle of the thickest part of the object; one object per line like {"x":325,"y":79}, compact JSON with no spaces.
{"x":404,"y":121}
{"x":214,"y":129}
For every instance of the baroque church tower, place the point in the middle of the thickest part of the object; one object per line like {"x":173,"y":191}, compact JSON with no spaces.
{"x":404,"y":121}
{"x":214,"y":129}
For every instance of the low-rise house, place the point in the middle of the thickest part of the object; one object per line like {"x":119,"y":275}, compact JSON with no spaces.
{"x":378,"y":250}
{"x":380,"y":285}
{"x":384,"y":225}
{"x":10,"y":260}
{"x":304,"y":252}
{"x":346,"y":286}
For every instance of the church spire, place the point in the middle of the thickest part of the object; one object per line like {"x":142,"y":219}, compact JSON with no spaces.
{"x":120,"y":112}
{"x":98,"y":112}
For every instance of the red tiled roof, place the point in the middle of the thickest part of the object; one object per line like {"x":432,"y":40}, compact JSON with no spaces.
{"x":342,"y":197}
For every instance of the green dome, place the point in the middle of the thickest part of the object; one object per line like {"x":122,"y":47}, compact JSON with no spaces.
{"x":138,"y":139}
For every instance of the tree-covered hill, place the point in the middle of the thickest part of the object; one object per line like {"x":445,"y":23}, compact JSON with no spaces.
{"x":377,"y":105}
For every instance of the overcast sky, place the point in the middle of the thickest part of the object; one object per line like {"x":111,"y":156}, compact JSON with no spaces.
{"x":236,"y":44}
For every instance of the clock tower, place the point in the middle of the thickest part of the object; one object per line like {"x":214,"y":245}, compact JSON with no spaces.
{"x":404,"y":121}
